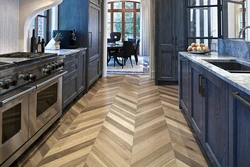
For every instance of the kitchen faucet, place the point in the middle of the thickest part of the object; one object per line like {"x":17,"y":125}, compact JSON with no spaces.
{"x":242,"y":29}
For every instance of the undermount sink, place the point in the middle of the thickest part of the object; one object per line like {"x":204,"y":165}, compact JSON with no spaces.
{"x":231,"y":66}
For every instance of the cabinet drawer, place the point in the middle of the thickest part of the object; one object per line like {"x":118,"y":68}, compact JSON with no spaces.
{"x":69,"y":75}
{"x":71,"y":65}
{"x":70,"y":57}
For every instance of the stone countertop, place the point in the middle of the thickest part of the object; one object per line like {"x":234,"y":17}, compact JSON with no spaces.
{"x":239,"y":80}
{"x":64,"y":52}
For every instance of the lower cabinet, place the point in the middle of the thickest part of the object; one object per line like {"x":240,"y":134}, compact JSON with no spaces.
{"x":93,"y":71}
{"x":69,"y":88}
{"x":184,"y":84}
{"x":74,"y":82}
{"x":239,"y":125}
{"x":205,"y":104}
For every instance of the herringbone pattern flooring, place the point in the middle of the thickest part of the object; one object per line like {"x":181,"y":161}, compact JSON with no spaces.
{"x":124,"y":120}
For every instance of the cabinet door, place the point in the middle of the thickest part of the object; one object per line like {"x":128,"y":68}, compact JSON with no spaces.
{"x":166,"y":58}
{"x":180,"y":27}
{"x":69,"y":88}
{"x":94,"y":32}
{"x":184,"y":84}
{"x":216,"y":124}
{"x":94,"y":71}
{"x":197,"y":102}
{"x":239,"y":125}
{"x":81,"y":71}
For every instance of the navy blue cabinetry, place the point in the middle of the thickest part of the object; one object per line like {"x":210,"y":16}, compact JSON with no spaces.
{"x":239,"y":134}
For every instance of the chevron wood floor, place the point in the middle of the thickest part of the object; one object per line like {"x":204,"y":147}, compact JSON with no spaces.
{"x":124,"y":120}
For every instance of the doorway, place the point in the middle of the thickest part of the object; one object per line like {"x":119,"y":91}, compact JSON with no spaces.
{"x":125,"y":17}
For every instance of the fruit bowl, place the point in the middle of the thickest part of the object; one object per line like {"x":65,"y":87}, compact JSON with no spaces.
{"x":199,"y":52}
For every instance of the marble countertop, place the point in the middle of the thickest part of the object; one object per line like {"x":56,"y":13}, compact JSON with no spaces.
{"x":64,"y":52}
{"x":239,"y":80}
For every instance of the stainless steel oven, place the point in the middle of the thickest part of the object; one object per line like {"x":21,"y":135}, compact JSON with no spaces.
{"x":14,"y":109}
{"x":45,"y":101}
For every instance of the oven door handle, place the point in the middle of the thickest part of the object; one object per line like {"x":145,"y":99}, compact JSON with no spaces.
{"x":51,"y":79}
{"x":2,"y":103}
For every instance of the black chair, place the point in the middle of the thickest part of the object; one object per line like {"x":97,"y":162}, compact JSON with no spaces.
{"x":132,"y":40}
{"x":115,"y":36}
{"x":135,"y":51}
{"x":125,"y":53}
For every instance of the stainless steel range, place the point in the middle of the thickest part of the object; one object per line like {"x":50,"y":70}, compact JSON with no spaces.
{"x":30,"y":100}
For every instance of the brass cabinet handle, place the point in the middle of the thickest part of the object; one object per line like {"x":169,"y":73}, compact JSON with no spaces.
{"x":237,"y":96}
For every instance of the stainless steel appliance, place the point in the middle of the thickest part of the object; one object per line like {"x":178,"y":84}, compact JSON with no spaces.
{"x":30,"y":100}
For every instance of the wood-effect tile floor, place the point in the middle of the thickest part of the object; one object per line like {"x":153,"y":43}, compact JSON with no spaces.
{"x":124,"y":120}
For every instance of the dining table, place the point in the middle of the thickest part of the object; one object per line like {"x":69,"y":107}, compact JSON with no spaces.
{"x":114,"y":47}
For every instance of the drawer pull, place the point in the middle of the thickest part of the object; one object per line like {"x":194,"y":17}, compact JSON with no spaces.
{"x":237,"y":96}
{"x":72,"y":78}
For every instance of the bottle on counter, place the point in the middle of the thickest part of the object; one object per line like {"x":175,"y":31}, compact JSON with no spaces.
{"x":33,"y":42}
{"x":39,"y":45}
{"x":43,"y":45}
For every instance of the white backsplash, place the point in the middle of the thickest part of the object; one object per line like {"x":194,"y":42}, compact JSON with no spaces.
{"x":9,"y":26}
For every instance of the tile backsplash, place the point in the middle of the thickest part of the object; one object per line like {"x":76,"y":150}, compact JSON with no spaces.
{"x":9,"y":26}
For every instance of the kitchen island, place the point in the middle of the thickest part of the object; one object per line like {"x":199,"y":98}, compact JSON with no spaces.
{"x":217,"y":104}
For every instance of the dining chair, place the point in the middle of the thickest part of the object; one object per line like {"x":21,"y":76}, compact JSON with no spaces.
{"x":135,"y":51}
{"x":125,"y":53}
{"x":132,"y":40}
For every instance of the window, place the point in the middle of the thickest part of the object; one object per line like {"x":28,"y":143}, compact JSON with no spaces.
{"x":41,"y":25}
{"x":204,"y":25}
{"x":124,"y":17}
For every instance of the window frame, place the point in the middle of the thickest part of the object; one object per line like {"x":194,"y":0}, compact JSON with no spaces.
{"x":219,"y":17}
{"x":123,"y":11}
{"x":47,"y":17}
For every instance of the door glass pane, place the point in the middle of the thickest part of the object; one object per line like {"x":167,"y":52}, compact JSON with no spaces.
{"x":109,"y":5}
{"x":109,"y":24}
{"x":203,"y":22}
{"x":137,"y":24}
{"x":202,"y":2}
{"x":117,"y":5}
{"x":235,"y":20}
{"x":129,"y":17}
{"x":138,"y":5}
{"x":129,"y":5}
{"x":117,"y":17}
{"x":117,"y":27}
{"x":11,"y":122}
{"x":129,"y":30}
{"x":42,"y":27}
{"x":46,"y":98}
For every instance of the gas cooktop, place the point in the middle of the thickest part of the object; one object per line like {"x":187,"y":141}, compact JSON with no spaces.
{"x":22,"y":57}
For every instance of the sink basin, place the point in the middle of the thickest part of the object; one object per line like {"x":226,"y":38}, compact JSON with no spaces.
{"x":231,"y":66}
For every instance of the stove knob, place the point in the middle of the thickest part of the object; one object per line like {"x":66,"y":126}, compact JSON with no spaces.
{"x":53,"y":66}
{"x":26,"y":77}
{"x":13,"y":82}
{"x":57,"y":65}
{"x":32,"y":77}
{"x":48,"y":71}
{"x":5,"y":85}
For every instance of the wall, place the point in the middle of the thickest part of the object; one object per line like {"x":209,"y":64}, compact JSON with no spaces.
{"x":9,"y":29}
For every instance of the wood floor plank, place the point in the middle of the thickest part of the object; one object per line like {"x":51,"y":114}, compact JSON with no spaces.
{"x":123,"y":121}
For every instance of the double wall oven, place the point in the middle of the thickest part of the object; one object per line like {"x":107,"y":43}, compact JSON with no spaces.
{"x":30,"y":101}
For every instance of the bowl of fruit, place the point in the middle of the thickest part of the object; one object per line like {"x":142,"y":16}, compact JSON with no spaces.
{"x":198,"y":48}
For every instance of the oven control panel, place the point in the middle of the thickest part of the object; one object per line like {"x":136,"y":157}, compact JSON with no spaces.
{"x":25,"y":76}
